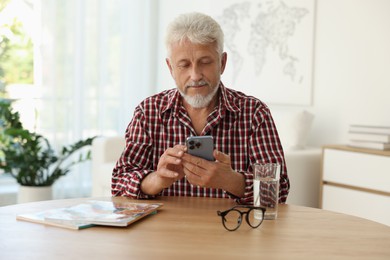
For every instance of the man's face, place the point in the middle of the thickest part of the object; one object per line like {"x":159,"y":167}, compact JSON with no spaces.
{"x":196,"y":70}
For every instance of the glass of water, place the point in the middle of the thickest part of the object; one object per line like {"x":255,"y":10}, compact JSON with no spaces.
{"x":266,"y":188}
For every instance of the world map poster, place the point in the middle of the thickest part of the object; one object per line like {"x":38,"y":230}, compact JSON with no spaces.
{"x":270,"y":48}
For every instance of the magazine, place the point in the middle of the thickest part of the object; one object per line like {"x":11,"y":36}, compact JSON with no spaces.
{"x":92,"y":213}
{"x":381,"y":138}
{"x":39,"y":217}
{"x":370,"y":145}
{"x":370,"y":129}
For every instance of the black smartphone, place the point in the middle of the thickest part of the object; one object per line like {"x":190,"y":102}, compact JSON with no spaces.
{"x":201,"y":146}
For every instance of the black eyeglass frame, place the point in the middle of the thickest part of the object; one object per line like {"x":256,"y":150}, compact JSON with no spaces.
{"x":222,"y":214}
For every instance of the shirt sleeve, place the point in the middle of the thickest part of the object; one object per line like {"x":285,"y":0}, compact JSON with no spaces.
{"x":265,"y":146}
{"x":134,"y":163}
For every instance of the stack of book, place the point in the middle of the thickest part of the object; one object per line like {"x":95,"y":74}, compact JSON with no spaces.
{"x":372,"y":137}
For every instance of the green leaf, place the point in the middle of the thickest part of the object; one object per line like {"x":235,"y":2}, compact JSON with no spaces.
{"x":29,"y":157}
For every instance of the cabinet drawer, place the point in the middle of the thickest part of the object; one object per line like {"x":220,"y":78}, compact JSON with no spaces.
{"x":362,"y":204}
{"x":357,"y":169}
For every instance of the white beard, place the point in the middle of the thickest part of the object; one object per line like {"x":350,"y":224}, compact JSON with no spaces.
{"x":199,"y":101}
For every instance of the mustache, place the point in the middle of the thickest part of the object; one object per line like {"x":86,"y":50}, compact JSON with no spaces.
{"x":197,"y":83}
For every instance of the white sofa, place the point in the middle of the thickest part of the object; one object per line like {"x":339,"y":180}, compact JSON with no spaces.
{"x":303,"y":167}
{"x":304,"y":171}
{"x":105,"y":152}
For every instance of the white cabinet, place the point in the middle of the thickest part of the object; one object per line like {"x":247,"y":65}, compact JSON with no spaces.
{"x":357,"y":182}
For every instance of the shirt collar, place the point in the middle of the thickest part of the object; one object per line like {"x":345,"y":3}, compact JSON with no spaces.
{"x":227,"y":100}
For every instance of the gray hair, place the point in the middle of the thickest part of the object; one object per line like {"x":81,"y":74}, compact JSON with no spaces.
{"x":196,"y":27}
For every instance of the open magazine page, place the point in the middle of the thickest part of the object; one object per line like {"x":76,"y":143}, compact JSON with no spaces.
{"x":40,"y":218}
{"x":93,"y":212}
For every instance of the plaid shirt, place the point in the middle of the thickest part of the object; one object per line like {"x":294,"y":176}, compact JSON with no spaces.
{"x":242,"y":126}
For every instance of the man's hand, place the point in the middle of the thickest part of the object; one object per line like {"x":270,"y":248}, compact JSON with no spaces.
{"x":169,"y":170}
{"x":218,"y":174}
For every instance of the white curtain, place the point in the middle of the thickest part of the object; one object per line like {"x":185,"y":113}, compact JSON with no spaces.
{"x":95,"y":61}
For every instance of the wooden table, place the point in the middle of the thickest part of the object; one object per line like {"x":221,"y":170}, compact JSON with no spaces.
{"x":189,"y":228}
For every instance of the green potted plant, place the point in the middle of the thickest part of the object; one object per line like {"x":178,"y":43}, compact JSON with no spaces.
{"x":29,"y":158}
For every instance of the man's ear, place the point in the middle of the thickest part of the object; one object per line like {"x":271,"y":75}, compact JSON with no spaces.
{"x":223,"y":62}
{"x":169,"y":66}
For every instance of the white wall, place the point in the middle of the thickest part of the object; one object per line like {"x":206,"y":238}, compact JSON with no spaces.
{"x":351,"y":65}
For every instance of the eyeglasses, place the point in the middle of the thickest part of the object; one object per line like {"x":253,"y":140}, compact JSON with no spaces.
{"x":232,"y":218}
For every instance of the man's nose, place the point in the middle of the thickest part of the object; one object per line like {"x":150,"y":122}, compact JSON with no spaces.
{"x":196,"y":73}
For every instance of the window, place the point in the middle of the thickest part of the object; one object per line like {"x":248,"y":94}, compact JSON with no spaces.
{"x":92,"y":66}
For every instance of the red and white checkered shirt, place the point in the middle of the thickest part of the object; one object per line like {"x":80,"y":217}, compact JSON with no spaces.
{"x":242,"y":126}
